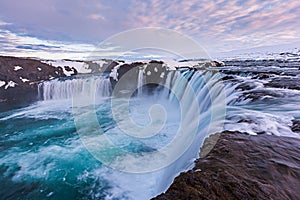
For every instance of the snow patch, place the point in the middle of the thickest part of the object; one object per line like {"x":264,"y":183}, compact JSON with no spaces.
{"x":173,"y":64}
{"x":16,"y":68}
{"x":80,"y":66}
{"x":100,"y":62}
{"x":10,"y":84}
{"x":114,"y":72}
{"x":68,"y":73}
{"x":24,"y":79}
{"x":2,"y":83}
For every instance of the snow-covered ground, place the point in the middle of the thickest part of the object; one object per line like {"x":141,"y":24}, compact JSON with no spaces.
{"x":280,"y":52}
{"x":80,"y":66}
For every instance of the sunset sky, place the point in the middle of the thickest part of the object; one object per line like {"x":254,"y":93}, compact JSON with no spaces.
{"x":70,"y":28}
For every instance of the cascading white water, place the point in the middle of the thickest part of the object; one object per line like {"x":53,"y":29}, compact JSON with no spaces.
{"x":80,"y":87}
{"x":140,"y":82}
{"x":198,"y":106}
{"x":210,"y":103}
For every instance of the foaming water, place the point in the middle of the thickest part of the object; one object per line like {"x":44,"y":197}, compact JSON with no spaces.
{"x":272,"y":117}
{"x":43,"y":156}
{"x":78,"y":87}
{"x":140,"y":82}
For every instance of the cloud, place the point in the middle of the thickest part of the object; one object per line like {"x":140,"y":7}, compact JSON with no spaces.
{"x":2,"y":23}
{"x":95,"y":17}
{"x":68,"y":20}
{"x":219,"y":25}
{"x":26,"y":46}
{"x":36,"y":47}
{"x":216,"y":23}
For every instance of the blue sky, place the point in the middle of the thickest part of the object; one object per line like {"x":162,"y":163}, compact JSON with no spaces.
{"x":70,"y":28}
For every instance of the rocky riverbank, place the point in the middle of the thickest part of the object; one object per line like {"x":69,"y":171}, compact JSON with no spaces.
{"x":241,"y":166}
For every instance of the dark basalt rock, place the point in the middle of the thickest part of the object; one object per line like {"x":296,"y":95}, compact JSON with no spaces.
{"x":260,"y":94}
{"x":217,"y":63}
{"x":296,"y":125}
{"x":127,"y":77}
{"x":108,"y":66}
{"x":71,"y":69}
{"x":262,"y":76}
{"x":246,"y":86}
{"x":241,"y":166}
{"x":156,"y":62}
{"x":225,"y":78}
{"x":282,"y":82}
{"x":75,"y":72}
{"x":153,"y":72}
{"x":67,"y":68}
{"x":25,"y":74}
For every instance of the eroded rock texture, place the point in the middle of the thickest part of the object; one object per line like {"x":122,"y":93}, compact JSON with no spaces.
{"x":241,"y":166}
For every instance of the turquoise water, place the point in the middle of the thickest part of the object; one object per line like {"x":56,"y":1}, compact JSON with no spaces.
{"x":43,"y":156}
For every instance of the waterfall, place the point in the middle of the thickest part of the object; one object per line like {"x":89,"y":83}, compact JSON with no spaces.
{"x":79,"y":87}
{"x":140,"y":83}
{"x":205,"y":101}
{"x":201,"y":101}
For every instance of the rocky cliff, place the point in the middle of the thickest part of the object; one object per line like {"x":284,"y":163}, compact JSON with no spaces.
{"x":241,"y":166}
{"x":19,"y":78}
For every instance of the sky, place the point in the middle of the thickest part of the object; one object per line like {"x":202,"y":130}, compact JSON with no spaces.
{"x":72,"y":28}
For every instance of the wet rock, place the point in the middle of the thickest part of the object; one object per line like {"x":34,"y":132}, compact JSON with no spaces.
{"x":217,"y":63}
{"x":249,"y":121}
{"x":246,"y":86}
{"x":261,"y":94}
{"x":155,"y":72}
{"x":262,"y":76}
{"x":296,"y":126}
{"x":285,"y":82}
{"x":242,"y":167}
{"x":225,"y":78}
{"x":127,"y":78}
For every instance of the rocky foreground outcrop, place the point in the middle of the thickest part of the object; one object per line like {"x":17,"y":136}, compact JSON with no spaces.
{"x":241,"y":166}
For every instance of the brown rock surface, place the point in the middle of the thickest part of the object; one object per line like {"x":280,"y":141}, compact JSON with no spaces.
{"x":20,"y":77}
{"x":241,"y":166}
